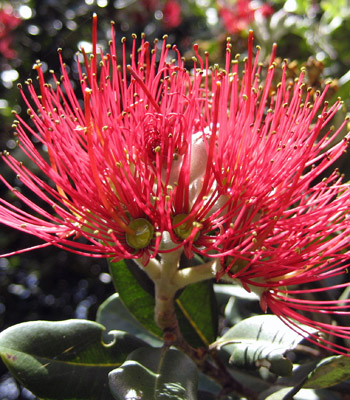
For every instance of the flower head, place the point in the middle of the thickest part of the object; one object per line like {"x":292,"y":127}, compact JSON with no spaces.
{"x":168,"y":12}
{"x":290,"y":225}
{"x":8,"y":23}
{"x":130,"y":153}
{"x":171,"y":14}
{"x":237,"y":15}
{"x":157,"y":158}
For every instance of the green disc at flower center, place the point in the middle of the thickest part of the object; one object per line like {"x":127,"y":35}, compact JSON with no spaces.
{"x":143,"y":233}
{"x":184,"y":230}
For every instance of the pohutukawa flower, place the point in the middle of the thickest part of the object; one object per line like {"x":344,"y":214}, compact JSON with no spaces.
{"x":289,"y":227}
{"x":8,"y":23}
{"x":160,"y":159}
{"x":237,"y":15}
{"x":126,"y":166}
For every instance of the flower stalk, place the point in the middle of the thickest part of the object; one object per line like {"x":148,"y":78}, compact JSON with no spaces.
{"x":168,"y":279}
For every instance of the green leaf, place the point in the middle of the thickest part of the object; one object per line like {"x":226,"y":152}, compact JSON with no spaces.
{"x":136,"y":299}
{"x":329,"y":372}
{"x":224,"y":292}
{"x":262,"y":341}
{"x":206,"y":384}
{"x":114,"y":316}
{"x":155,"y":374}
{"x":239,"y":303}
{"x":66,"y":359}
{"x":278,"y":393}
{"x":195,"y":307}
{"x":196,"y":311}
{"x":206,"y":396}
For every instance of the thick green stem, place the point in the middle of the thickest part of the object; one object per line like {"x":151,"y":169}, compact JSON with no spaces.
{"x":152,"y":269}
{"x":195,"y":274}
{"x":168,"y":279}
{"x":165,"y":290}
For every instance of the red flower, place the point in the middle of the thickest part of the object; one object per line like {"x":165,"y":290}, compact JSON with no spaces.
{"x":286,"y":229}
{"x":159,"y":158}
{"x":239,"y":14}
{"x":171,"y":14}
{"x":170,"y":10}
{"x":8,"y":23}
{"x":121,"y":166}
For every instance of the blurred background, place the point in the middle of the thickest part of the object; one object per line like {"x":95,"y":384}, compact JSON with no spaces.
{"x":49,"y":283}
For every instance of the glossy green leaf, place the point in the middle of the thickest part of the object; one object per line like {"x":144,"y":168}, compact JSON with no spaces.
{"x":279,"y":393}
{"x":240,"y":305}
{"x":329,"y":372}
{"x":155,"y":374}
{"x":206,"y":396}
{"x":195,"y":306}
{"x":261,"y":341}
{"x":275,"y":393}
{"x":136,"y":298}
{"x":66,"y":359}
{"x":196,"y":310}
{"x":114,"y":316}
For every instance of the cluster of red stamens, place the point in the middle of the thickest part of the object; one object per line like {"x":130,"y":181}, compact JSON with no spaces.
{"x":210,"y":156}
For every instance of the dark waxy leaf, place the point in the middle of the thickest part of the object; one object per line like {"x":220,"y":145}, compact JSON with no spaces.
{"x":262,"y":341}
{"x":289,"y":393}
{"x":195,"y":306}
{"x":238,"y":303}
{"x":277,"y":392}
{"x":114,"y":316}
{"x":329,"y":372}
{"x":206,"y":396}
{"x":196,"y":310}
{"x":136,"y":299}
{"x":155,"y":374}
{"x":66,"y":359}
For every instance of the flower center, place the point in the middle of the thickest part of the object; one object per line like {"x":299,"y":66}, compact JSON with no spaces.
{"x":184,"y":230}
{"x":152,"y":140}
{"x":143,"y":233}
{"x":236,"y":267}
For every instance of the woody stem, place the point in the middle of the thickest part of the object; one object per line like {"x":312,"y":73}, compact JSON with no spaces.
{"x":167,"y":281}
